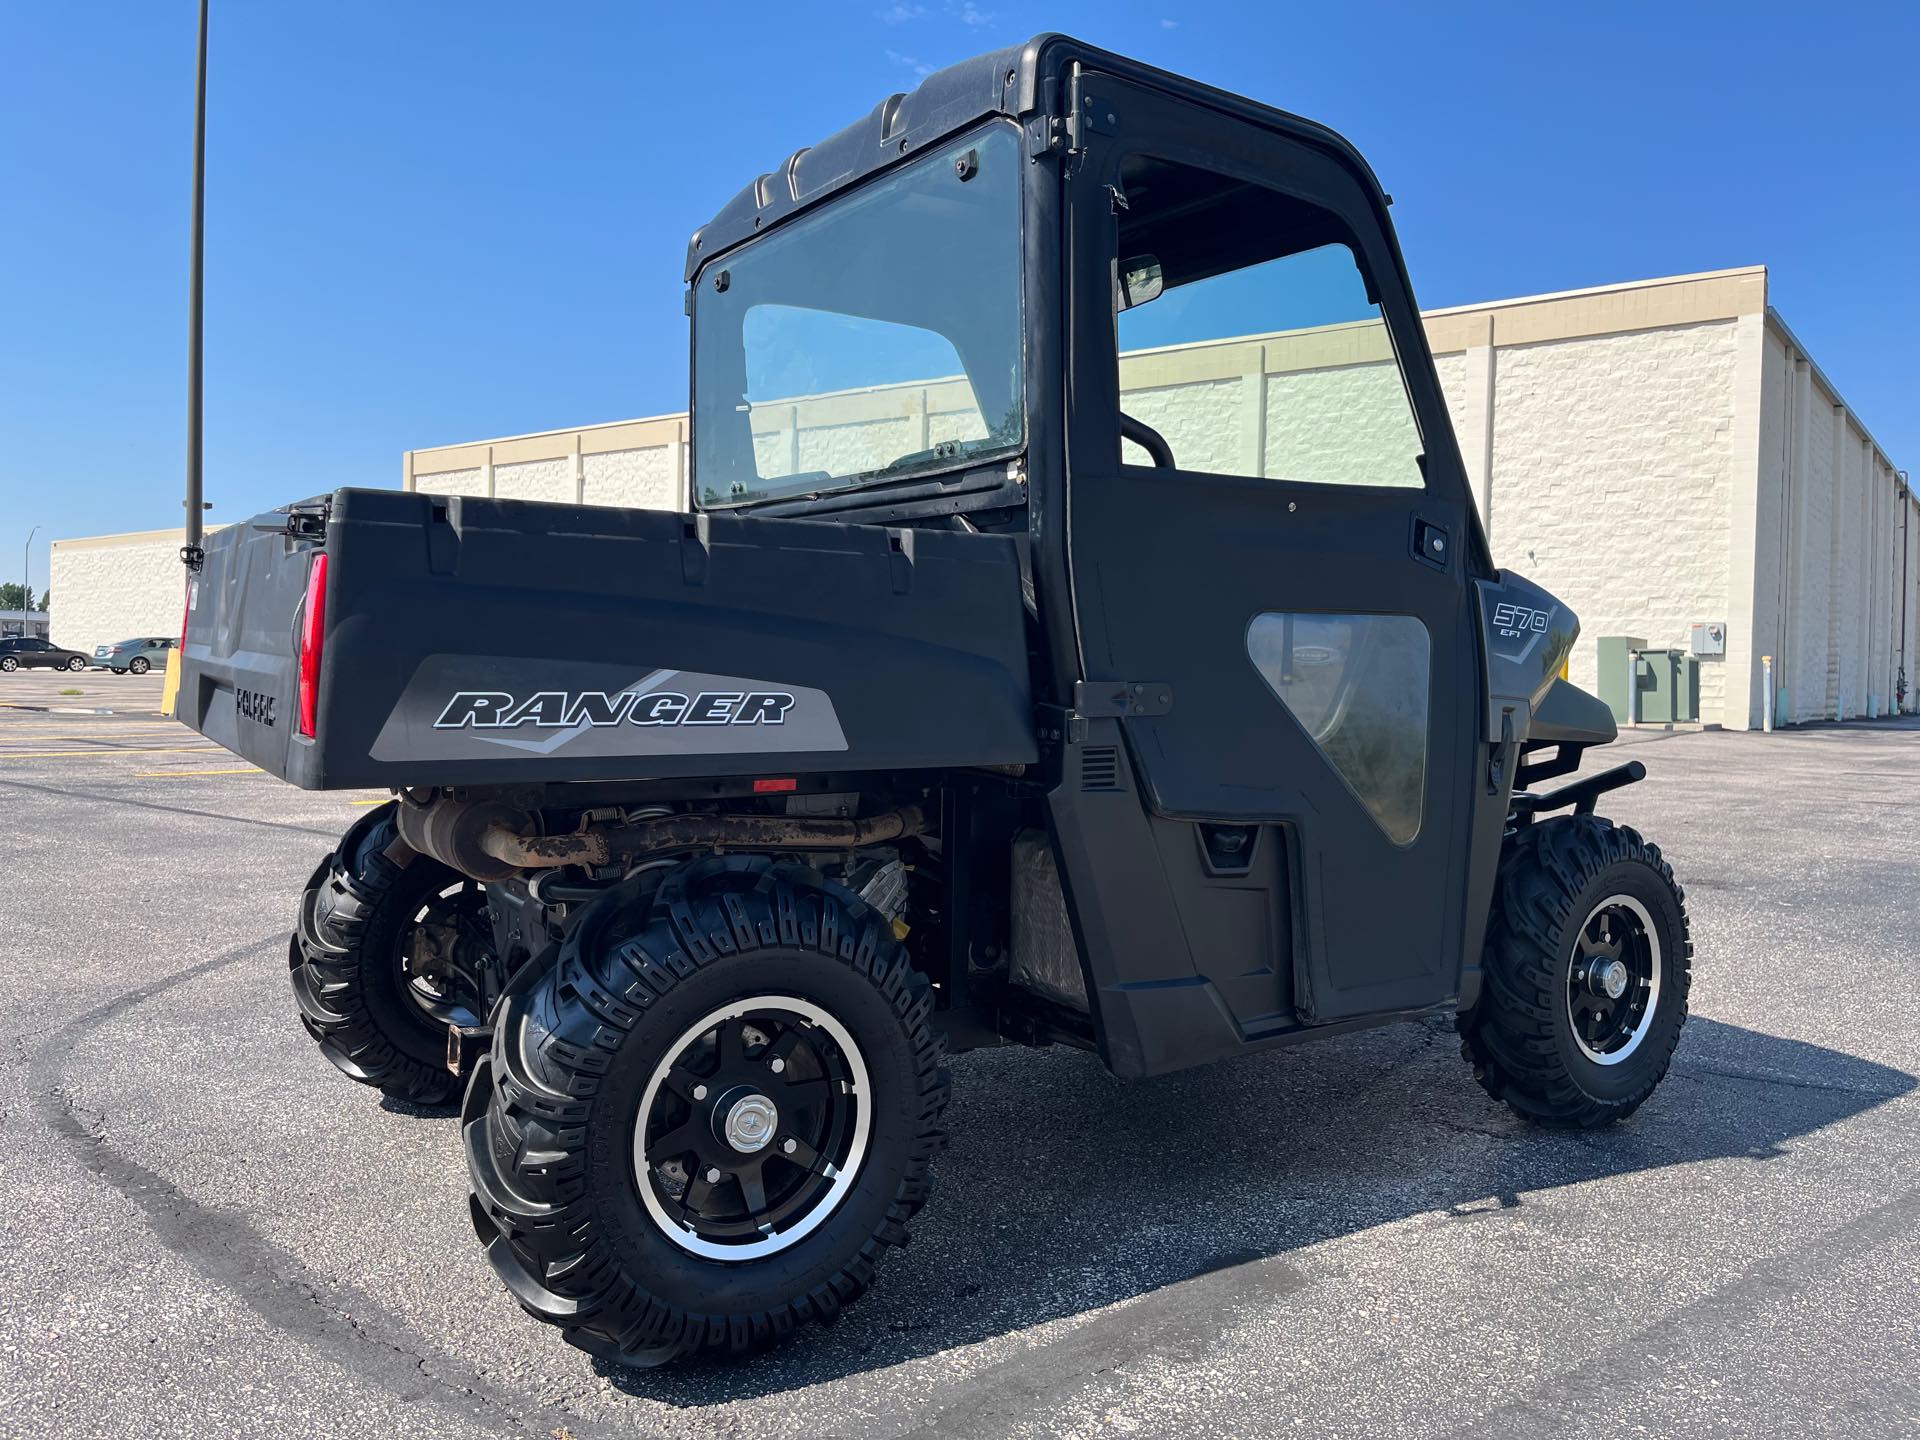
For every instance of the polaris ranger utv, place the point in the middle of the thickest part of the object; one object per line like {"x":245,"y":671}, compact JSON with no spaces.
{"x":1081,"y":634}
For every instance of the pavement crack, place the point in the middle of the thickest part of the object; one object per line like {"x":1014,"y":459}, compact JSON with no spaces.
{"x":228,"y":1251}
{"x":1693,"y":1070}
{"x":98,"y":799}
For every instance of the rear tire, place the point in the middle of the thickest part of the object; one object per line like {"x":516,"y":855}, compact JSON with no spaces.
{"x":355,"y":976}
{"x":621,"y":1044}
{"x":138,"y":665}
{"x":1587,"y":969}
{"x":9,"y":664}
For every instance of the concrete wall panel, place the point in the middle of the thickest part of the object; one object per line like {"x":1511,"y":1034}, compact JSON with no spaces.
{"x":117,"y":587}
{"x":535,"y":480}
{"x":1612,"y":478}
{"x":644,"y":477}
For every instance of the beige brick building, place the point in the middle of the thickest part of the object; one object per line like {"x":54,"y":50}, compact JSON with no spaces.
{"x":1660,"y":454}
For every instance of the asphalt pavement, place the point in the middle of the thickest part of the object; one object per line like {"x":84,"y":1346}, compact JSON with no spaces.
{"x":207,"y":1231}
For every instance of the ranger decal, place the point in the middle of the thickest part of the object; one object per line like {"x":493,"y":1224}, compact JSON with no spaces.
{"x":562,"y":710}
{"x":466,"y":707}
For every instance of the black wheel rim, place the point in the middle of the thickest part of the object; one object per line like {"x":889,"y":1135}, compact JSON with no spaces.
{"x":752,"y":1128}
{"x":1613,"y":981}
{"x":439,"y":956}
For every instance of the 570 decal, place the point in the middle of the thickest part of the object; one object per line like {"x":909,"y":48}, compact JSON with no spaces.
{"x":1512,"y":620}
{"x":572,"y":709}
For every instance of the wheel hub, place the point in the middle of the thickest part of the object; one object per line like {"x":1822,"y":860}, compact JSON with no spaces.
{"x":752,"y":1128}
{"x":1613,"y":987}
{"x":748,"y":1122}
{"x":443,"y":957}
{"x":1608,"y":977}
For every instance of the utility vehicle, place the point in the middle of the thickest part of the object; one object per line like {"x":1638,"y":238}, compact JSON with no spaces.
{"x":1080,"y":634}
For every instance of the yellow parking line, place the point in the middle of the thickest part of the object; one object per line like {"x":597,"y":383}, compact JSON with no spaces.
{"x":362,"y":804}
{"x":88,"y":734}
{"x":189,"y":774}
{"x":118,"y":750}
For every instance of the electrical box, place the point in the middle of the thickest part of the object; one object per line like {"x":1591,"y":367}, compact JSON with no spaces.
{"x":1613,"y":652}
{"x":1709,"y":638}
{"x":1670,"y":690}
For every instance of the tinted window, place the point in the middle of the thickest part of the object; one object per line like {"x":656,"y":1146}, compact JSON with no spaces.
{"x":1358,"y":685}
{"x":878,"y":338}
{"x":1265,"y":354}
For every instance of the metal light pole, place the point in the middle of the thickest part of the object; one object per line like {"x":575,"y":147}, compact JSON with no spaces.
{"x":192,"y":552}
{"x":26,"y":576}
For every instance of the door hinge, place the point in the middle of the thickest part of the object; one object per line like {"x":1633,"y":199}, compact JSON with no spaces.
{"x":1500,"y":762}
{"x":305,"y":520}
{"x":1115,"y":699}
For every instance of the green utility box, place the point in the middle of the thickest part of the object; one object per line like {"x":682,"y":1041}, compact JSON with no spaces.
{"x":1668,"y":681}
{"x":1613,"y":672}
{"x":1670,"y":688}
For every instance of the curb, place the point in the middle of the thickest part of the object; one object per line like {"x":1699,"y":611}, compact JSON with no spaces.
{"x":56,"y":709}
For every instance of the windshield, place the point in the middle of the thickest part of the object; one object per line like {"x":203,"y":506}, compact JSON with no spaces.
{"x":877,"y":339}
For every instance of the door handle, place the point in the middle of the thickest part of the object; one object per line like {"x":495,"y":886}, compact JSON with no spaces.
{"x":1432,"y":544}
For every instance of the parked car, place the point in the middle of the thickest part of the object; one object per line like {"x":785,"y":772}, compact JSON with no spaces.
{"x":138,"y":656}
{"x":18,"y":651}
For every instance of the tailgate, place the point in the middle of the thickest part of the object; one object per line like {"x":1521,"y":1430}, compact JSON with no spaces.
{"x":492,"y":642}
{"x":240,"y":665}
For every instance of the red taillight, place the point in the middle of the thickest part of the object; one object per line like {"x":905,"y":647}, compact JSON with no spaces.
{"x":775,"y":787}
{"x":313,"y":626}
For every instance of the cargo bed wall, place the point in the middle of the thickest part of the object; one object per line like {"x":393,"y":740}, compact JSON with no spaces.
{"x":473,"y":641}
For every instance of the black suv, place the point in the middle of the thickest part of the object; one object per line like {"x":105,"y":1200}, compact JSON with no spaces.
{"x":17,"y":651}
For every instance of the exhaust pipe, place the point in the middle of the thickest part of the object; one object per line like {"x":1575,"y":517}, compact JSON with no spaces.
{"x":606,"y":845}
{"x":487,"y":840}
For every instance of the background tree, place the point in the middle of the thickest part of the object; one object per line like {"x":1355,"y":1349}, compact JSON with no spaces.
{"x":10,"y":596}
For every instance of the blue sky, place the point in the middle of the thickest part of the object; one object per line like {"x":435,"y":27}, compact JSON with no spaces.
{"x":439,"y":222}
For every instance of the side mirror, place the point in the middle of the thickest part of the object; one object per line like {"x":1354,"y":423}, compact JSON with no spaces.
{"x":1140,"y":281}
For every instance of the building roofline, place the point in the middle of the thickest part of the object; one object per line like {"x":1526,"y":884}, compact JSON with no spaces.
{"x":177,"y":535}
{"x":1654,"y":282}
{"x":1821,"y":379}
{"x":667,"y":418}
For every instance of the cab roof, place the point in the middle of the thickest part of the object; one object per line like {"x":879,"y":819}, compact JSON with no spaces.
{"x":1015,"y":82}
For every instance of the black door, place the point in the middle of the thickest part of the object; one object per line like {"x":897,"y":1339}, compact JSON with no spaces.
{"x":1282,"y":543}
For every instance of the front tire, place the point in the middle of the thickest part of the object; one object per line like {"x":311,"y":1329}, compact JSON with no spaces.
{"x":386,"y":954}
{"x":76,"y":664}
{"x":1587,"y":970}
{"x":707,"y":1119}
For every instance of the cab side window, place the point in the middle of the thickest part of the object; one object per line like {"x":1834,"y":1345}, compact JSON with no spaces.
{"x":1249,"y":338}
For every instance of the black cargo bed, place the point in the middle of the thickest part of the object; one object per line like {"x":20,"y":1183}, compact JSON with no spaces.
{"x":479,"y":642}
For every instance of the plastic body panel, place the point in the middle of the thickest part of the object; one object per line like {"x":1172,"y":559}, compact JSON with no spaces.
{"x":1567,"y":714}
{"x":631,"y":644}
{"x":1527,"y":634}
{"x":1187,"y":959}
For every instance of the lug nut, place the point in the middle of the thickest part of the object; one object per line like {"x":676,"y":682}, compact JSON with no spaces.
{"x":777,"y":1066}
{"x":790,"y":1146}
{"x":699,"y":1092}
{"x":713,"y":1176}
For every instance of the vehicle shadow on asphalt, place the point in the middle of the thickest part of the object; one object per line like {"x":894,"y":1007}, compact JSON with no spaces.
{"x":1065,"y":1190}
